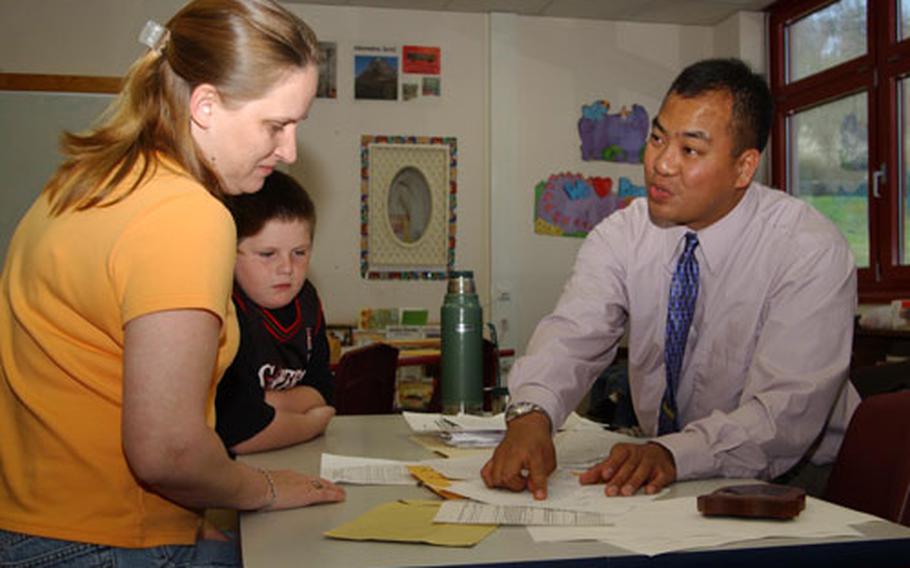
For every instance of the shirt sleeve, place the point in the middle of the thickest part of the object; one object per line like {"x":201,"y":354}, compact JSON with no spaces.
{"x":319,"y":375}
{"x":797,"y":373}
{"x":179,"y":254}
{"x":574,"y":344}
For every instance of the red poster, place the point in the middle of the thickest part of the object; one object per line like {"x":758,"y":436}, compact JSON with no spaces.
{"x":420,"y":59}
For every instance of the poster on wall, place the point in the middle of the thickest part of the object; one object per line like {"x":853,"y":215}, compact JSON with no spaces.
{"x":420,"y":59}
{"x":618,"y":137}
{"x":376,"y":73}
{"x":570,"y":205}
{"x":328,"y":71}
{"x":420,"y":72}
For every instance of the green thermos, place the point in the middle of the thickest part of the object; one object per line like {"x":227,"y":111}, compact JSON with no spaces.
{"x":462,"y":346}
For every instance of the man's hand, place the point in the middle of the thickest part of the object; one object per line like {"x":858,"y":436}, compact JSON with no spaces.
{"x":631,"y":466}
{"x":525,"y":457}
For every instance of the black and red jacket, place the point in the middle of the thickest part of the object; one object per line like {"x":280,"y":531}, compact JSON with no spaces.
{"x":279,"y":349}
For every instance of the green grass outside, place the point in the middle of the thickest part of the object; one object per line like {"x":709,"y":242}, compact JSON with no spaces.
{"x":851,"y":215}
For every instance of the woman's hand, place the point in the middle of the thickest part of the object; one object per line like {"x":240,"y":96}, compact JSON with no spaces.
{"x":293,"y":489}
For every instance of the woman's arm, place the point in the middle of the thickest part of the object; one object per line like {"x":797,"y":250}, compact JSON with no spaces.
{"x":169,"y":359}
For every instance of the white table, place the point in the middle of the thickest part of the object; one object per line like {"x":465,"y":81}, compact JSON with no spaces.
{"x":294,"y":538}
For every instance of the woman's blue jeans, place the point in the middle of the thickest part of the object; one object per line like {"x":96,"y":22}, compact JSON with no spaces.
{"x":26,"y":551}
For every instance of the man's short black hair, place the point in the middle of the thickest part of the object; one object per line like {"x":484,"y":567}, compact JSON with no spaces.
{"x":281,"y":197}
{"x":752,"y":102}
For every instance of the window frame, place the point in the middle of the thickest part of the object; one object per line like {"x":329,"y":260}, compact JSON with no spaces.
{"x":876,"y":72}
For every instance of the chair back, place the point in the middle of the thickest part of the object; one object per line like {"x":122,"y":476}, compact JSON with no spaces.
{"x":872,"y":470}
{"x":365,"y":380}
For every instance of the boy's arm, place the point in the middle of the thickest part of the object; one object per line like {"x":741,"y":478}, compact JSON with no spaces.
{"x":298,"y":399}
{"x":287,"y":429}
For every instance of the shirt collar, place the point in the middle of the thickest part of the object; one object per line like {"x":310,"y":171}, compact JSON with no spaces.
{"x":717,"y":240}
{"x":714,"y":241}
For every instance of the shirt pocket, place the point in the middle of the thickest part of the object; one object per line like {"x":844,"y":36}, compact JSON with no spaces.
{"x":719,"y":370}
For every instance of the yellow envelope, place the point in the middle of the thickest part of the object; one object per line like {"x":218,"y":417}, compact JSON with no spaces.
{"x":410,"y":521}
{"x":433,"y":480}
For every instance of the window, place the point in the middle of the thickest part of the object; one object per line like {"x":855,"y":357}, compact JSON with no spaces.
{"x":840,"y":75}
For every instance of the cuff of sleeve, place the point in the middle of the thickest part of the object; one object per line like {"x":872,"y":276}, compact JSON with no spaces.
{"x":543,"y":398}
{"x":691,"y":455}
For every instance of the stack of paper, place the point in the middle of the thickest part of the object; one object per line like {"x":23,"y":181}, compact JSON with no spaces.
{"x":471,"y":431}
{"x":460,"y":431}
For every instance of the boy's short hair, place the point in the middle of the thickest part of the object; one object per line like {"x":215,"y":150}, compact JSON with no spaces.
{"x":281,"y":197}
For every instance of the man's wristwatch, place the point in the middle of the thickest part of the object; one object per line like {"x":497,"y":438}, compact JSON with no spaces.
{"x":518,"y":409}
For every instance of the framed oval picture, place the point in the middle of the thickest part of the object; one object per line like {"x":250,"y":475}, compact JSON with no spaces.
{"x":408,"y":202}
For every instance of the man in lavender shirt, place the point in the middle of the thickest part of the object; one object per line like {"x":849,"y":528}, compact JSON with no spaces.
{"x":762,"y":389}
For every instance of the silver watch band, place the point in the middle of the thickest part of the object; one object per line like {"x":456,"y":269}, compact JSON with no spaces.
{"x":518,"y":409}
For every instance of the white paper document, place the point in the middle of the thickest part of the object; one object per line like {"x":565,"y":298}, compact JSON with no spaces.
{"x":584,"y":447}
{"x":564,"y":493}
{"x":675,"y":524}
{"x":472,"y":438}
{"x":435,"y":422}
{"x":365,"y":471}
{"x":467,"y":467}
{"x":576,"y":450}
{"x":474,"y":513}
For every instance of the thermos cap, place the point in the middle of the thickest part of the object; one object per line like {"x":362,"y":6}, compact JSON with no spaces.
{"x":461,"y":282}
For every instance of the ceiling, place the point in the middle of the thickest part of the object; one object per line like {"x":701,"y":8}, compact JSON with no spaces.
{"x":684,"y":12}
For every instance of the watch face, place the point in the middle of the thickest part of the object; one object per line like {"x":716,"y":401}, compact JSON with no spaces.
{"x":520,"y":409}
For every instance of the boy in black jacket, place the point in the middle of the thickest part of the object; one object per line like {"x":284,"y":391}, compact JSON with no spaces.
{"x":278,"y":390}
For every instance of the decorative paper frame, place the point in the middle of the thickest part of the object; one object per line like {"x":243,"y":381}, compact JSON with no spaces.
{"x":383,"y":256}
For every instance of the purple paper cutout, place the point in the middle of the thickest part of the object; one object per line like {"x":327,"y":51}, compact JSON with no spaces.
{"x":618,"y":137}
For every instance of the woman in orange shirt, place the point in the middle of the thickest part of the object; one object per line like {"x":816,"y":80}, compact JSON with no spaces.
{"x":115,"y":314}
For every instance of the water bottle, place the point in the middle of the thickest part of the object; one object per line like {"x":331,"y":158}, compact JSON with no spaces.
{"x":462,"y":346}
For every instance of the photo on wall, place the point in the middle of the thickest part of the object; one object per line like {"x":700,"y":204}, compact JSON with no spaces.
{"x":376,"y":73}
{"x":328,"y":71}
{"x":420,"y":59}
{"x":409,"y":91}
{"x":431,"y":86}
{"x":421,"y":68}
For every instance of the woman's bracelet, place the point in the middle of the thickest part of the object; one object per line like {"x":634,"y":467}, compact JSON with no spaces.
{"x":273,"y":493}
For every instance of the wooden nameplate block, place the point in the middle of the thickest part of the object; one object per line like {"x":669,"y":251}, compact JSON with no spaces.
{"x":764,"y":501}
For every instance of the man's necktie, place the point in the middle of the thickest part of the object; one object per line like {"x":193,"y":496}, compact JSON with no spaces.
{"x":683,"y":293}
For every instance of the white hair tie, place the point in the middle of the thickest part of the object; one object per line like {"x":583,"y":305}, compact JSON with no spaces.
{"x":155,"y":36}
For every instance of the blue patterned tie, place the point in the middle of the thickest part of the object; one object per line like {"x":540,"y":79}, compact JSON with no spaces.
{"x":683,"y":293}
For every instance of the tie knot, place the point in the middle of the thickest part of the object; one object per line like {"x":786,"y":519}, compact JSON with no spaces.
{"x":691,"y":243}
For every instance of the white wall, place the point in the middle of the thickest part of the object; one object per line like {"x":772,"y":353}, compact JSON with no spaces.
{"x":513,"y":87}
{"x":745,"y":35}
{"x":98,"y":37}
{"x":543,"y":71}
{"x":84,"y":37}
{"x":329,"y":161}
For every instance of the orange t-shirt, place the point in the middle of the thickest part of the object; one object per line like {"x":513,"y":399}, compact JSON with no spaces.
{"x":70,"y":284}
